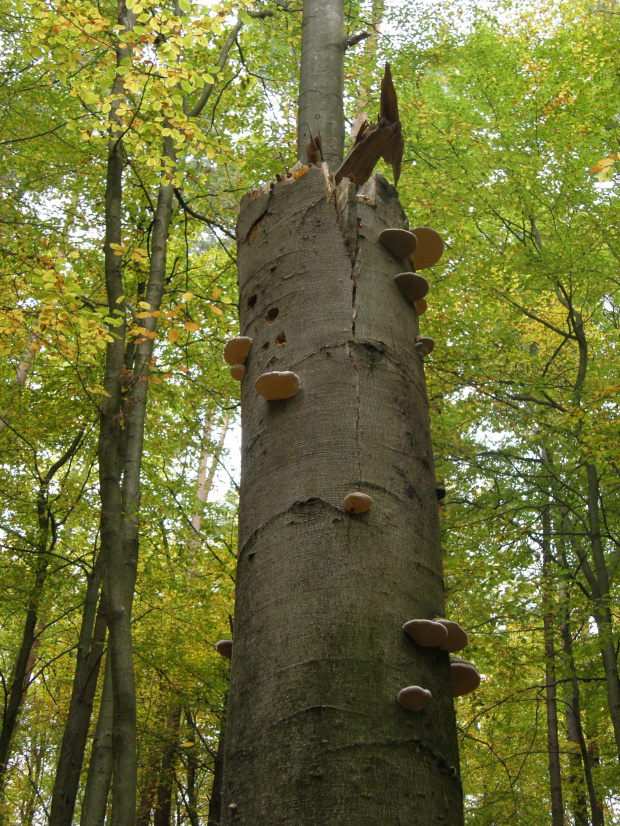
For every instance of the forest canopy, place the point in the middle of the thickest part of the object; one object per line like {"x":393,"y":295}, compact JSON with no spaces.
{"x":129,"y":134}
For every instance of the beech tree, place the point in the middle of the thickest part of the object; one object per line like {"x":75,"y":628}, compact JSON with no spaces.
{"x":315,"y":733}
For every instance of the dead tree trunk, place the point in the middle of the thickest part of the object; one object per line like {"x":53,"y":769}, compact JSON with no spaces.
{"x":315,"y":734}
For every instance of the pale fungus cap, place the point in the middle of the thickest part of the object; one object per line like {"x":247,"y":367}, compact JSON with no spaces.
{"x":412,"y":286}
{"x":357,"y":502}
{"x":457,"y":637}
{"x":237,"y":371}
{"x":426,"y":632}
{"x":421,"y":305}
{"x":463,"y":676}
{"x":400,"y":242}
{"x":413,"y":697}
{"x":236,"y":350}
{"x":224,"y":648}
{"x":429,"y":249}
{"x":424,"y":345}
{"x":274,"y":386}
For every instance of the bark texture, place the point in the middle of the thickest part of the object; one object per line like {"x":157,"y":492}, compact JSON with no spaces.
{"x":315,"y":734}
{"x":321,"y":79}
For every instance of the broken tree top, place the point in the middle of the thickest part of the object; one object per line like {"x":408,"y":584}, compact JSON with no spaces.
{"x":375,"y":140}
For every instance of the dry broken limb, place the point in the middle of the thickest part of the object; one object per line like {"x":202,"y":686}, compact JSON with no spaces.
{"x":376,"y":140}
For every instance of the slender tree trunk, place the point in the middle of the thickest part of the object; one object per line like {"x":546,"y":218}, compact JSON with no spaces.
{"x":165,"y":785}
{"x":215,"y":800}
{"x":602,"y":608}
{"x":99,"y":776}
{"x":553,"y":743}
{"x":75,"y":735}
{"x":23,"y":663}
{"x":315,"y":734}
{"x":321,"y":80}
{"x":575,"y":733}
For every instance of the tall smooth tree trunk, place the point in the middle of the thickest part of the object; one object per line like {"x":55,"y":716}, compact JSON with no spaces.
{"x":321,"y":78}
{"x":214,"y":817}
{"x":94,"y":805}
{"x":165,"y":785}
{"x":315,"y":734}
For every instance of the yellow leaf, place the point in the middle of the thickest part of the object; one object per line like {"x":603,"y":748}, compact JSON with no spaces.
{"x":143,"y":315}
{"x":173,"y":335}
{"x":74,"y":254}
{"x":144,"y":304}
{"x":599,"y":166}
{"x":606,"y":174}
{"x":187,"y":296}
{"x":216,"y":293}
{"x":191,"y":326}
{"x":215,"y":310}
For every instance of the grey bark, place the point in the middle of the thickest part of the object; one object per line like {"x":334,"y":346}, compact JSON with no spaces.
{"x":99,"y":776}
{"x":315,"y":734}
{"x":165,"y":785}
{"x":321,"y":79}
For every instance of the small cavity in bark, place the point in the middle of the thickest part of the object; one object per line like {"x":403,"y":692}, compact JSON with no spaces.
{"x":264,"y":347}
{"x":280,"y":339}
{"x":271,"y":315}
{"x":252,"y":302}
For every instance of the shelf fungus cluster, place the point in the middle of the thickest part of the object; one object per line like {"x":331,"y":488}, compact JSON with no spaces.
{"x":235,"y":354}
{"x":272,"y":386}
{"x":422,"y":247}
{"x":450,"y":637}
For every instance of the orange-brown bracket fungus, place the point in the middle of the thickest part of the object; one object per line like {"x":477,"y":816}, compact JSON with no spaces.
{"x":413,"y":697}
{"x":224,"y":648}
{"x":237,"y":371}
{"x":426,"y":632}
{"x":274,"y":386}
{"x":424,"y":345}
{"x":457,"y":638}
{"x":421,"y":305}
{"x":236,"y":350}
{"x":400,"y":242}
{"x":412,"y":286}
{"x":357,"y":502}
{"x":464,"y":677}
{"x":429,"y":249}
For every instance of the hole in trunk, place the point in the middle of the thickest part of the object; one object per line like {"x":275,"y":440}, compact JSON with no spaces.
{"x":280,"y":339}
{"x":271,"y":315}
{"x":252,"y":302}
{"x":264,"y":347}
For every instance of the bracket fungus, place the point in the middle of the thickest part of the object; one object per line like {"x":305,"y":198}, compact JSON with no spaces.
{"x":224,"y":648}
{"x":357,"y":502}
{"x":440,"y":492}
{"x":412,"y":286}
{"x":236,"y":350}
{"x":463,"y":676}
{"x":237,"y":371}
{"x":426,"y":633}
{"x":457,"y":637}
{"x":429,"y":249}
{"x":421,"y":305}
{"x":275,"y":386}
{"x":413,"y":697}
{"x":400,"y":242}
{"x":424,"y":345}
